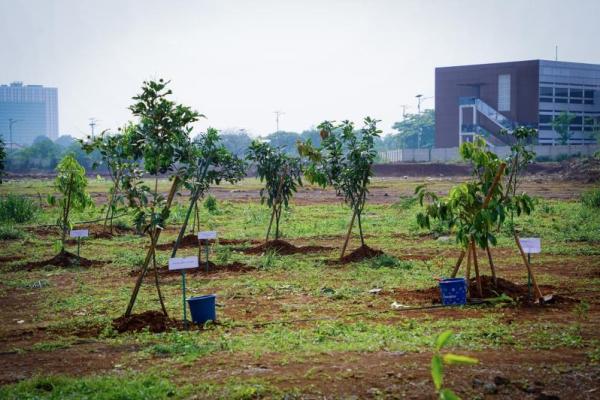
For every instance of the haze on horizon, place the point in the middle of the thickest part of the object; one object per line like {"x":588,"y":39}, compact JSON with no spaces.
{"x":237,"y":61}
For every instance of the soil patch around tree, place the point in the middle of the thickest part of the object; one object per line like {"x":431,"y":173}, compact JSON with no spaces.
{"x":64,"y":259}
{"x":191,"y":240}
{"x":201,"y":270}
{"x":155,"y":321}
{"x":284,"y":248}
{"x":362,"y":253}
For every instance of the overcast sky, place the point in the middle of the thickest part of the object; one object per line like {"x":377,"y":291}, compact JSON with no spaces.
{"x":238,"y":61}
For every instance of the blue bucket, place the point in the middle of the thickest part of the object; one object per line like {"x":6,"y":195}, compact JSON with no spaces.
{"x":454,"y":291}
{"x":202,"y":308}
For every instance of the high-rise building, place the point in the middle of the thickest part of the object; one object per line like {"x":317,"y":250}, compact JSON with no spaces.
{"x":487,"y":98}
{"x":28,"y":111}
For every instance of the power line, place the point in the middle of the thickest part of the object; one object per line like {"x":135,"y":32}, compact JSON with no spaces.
{"x":277,"y":115}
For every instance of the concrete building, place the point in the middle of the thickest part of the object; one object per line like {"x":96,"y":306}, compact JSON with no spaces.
{"x":484,"y":99}
{"x":28,"y":111}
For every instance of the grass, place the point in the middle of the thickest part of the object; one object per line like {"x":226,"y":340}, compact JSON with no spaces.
{"x":289,"y":307}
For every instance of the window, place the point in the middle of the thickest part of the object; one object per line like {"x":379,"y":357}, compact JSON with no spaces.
{"x":575,"y":101}
{"x":561,"y":92}
{"x":545,"y":91}
{"x":545,"y":119}
{"x":504,"y":92}
{"x":576,"y":93}
{"x":589,"y":94}
{"x":560,"y":100}
{"x":546,"y":99}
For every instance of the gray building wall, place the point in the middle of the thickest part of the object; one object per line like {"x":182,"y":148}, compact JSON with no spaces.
{"x":34,"y":107}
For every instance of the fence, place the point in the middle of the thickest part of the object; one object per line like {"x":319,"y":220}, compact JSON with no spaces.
{"x":451,"y":153}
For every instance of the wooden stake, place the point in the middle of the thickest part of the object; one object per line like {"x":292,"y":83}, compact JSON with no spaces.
{"x":458,"y":263}
{"x":468,"y":274}
{"x":536,"y":288}
{"x":348,"y":235}
{"x":491,"y":262}
{"x":476,"y":265}
{"x":162,"y":303}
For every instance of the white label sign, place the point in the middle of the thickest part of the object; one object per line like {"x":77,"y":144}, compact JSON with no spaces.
{"x":79,"y":233}
{"x":531,"y":245}
{"x":183,"y":263}
{"x":207,"y":235}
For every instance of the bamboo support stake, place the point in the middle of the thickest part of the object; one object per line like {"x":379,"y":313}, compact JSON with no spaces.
{"x":468,"y":274}
{"x":491,"y":262}
{"x":458,"y":263}
{"x":348,"y":234}
{"x":536,"y":288}
{"x":476,"y":266}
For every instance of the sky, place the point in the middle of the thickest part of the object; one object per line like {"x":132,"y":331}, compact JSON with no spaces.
{"x":239,"y":61}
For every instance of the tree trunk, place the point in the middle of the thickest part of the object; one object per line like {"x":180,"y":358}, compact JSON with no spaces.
{"x":150,"y":252}
{"x":270,"y":224}
{"x":66,"y":214}
{"x":458,"y":263}
{"x":536,"y":288}
{"x":162,"y":303}
{"x":492,"y":268}
{"x":348,"y":234}
{"x":476,"y":266}
{"x":360,"y":231}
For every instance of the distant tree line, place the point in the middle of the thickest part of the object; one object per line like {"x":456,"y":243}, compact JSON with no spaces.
{"x":44,"y":154}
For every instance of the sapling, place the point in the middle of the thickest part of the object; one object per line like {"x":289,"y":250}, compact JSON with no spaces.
{"x":209,"y":162}
{"x":117,"y":153}
{"x":345,"y":161}
{"x":71,"y":182}
{"x":161,"y":139}
{"x":281,"y":174}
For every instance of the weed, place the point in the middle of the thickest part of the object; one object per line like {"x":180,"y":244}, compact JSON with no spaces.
{"x":223,"y":254}
{"x":211,"y":204}
{"x":8,"y":232}
{"x":591,"y":198}
{"x":387,"y":261}
{"x":17,"y":209}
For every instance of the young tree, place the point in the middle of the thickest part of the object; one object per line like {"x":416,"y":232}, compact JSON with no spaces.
{"x":71,"y":182}
{"x":161,"y":139}
{"x":2,"y":158}
{"x":281,"y":173}
{"x":210,"y":163}
{"x":344,"y":160}
{"x":117,"y":153}
{"x":560,"y":124}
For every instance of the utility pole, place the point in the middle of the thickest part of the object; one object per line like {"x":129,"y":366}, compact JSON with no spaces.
{"x":277,"y":115}
{"x":11,"y":122}
{"x":93,"y":123}
{"x":556,"y":53}
{"x":404,"y":107}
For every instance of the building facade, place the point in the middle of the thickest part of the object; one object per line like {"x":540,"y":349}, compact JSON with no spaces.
{"x":26,"y":112}
{"x":488,"y":98}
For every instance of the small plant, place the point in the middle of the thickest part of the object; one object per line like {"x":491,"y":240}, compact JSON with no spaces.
{"x":439,"y":360}
{"x":17,"y":209}
{"x":223,"y":254}
{"x":269,"y":259}
{"x":282,"y":175}
{"x":591,"y":198}
{"x":560,"y":124}
{"x":8,"y":232}
{"x":211,"y":204}
{"x":71,"y":182}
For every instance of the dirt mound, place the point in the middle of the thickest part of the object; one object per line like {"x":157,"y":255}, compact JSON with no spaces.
{"x":201,"y":270}
{"x":586,"y":169}
{"x":283,"y":248}
{"x":362,"y":253}
{"x":155,"y":321}
{"x":511,"y":289}
{"x":64,"y":259}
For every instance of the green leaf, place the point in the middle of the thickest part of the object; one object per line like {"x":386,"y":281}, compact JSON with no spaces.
{"x":458,"y":359}
{"x":442,"y":339}
{"x":447,"y":394}
{"x":437,"y":371}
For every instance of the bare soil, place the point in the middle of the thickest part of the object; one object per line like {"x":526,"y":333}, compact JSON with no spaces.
{"x":63,"y":259}
{"x":155,"y":321}
{"x":235,"y":267}
{"x":362,"y":253}
{"x":284,"y":248}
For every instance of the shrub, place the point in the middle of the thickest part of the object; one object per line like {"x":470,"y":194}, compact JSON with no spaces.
{"x":211,"y":204}
{"x":591,"y":198}
{"x":17,"y":209}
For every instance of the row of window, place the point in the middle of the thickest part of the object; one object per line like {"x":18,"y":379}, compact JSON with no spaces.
{"x":550,"y":94}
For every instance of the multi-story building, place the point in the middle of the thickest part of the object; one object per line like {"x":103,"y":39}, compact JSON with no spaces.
{"x":487,"y":98}
{"x":28,"y":111}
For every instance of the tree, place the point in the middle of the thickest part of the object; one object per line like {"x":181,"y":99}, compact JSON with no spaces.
{"x":560,"y":124}
{"x":344,"y":160}
{"x":282,"y":175}
{"x":2,"y":158}
{"x":414,"y":131}
{"x":594,"y":125}
{"x":210,"y":163}
{"x":71,"y":182}
{"x":284,"y":140}
{"x":476,"y":209}
{"x":237,"y":142}
{"x":161,"y":139}
{"x":117,"y":155}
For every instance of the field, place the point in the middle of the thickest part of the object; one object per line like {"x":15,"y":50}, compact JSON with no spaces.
{"x":300,"y":325}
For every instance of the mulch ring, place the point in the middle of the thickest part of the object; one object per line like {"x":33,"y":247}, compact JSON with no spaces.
{"x":191,"y":240}
{"x":63,"y":259}
{"x":283,"y":248}
{"x":517,"y":292}
{"x":201,"y":270}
